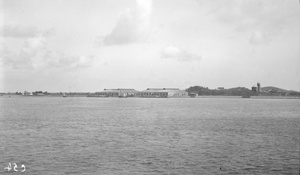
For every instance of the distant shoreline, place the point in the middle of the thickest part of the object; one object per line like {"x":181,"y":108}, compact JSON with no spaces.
{"x":201,"y":96}
{"x":251,"y":97}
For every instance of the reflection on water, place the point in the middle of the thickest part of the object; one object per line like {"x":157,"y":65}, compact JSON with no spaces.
{"x":150,"y":136}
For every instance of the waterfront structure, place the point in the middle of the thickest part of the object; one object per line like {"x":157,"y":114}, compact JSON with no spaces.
{"x":26,"y":93}
{"x":162,"y":93}
{"x":193,"y":95}
{"x":254,"y":88}
{"x":127,"y":92}
{"x":116,"y":93}
{"x":258,"y":87}
{"x":39,"y":93}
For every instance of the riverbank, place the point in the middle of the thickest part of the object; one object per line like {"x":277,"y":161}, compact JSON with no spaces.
{"x":251,"y":97}
{"x":208,"y":96}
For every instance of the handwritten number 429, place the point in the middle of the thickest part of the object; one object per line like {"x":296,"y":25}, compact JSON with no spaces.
{"x":9,"y":167}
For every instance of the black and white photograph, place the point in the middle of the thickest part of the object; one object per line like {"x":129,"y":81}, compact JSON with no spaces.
{"x":150,"y":87}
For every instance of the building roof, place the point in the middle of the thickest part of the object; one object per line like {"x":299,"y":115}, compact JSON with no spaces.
{"x":128,"y":90}
{"x":110,"y":90}
{"x":176,"y":90}
{"x":119,"y":90}
{"x":171,"y":89}
{"x":162,"y":90}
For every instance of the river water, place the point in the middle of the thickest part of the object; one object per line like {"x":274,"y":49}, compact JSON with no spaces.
{"x":133,"y":136}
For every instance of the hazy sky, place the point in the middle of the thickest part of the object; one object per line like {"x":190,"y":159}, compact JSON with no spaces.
{"x":89,"y":45}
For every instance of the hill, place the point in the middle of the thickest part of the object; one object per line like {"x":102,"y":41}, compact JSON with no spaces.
{"x":237,"y":91}
{"x":273,"y":89}
{"x":240,"y":91}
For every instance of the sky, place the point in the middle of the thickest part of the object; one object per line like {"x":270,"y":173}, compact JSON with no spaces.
{"x":89,"y":45}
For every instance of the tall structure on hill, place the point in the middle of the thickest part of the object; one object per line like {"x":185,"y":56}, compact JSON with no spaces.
{"x":258,"y":87}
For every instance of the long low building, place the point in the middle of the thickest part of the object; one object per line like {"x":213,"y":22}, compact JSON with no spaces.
{"x":148,"y":93}
{"x":162,"y":93}
{"x":116,"y":93}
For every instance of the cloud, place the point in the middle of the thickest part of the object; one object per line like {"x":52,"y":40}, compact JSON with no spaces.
{"x":18,"y":31}
{"x":258,"y":37}
{"x":133,"y":25}
{"x":85,"y":61}
{"x":174,"y":52}
{"x":261,"y":21}
{"x":24,"y":58}
{"x":34,"y":54}
{"x":33,"y":45}
{"x":21,"y":60}
{"x":61,"y":60}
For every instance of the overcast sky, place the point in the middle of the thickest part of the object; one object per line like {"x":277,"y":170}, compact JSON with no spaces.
{"x":89,"y":45}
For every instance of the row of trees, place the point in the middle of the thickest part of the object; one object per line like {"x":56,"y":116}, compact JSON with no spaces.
{"x":239,"y":91}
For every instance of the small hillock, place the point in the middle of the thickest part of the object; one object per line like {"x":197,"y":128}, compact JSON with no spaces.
{"x":272,"y":89}
{"x":240,"y":91}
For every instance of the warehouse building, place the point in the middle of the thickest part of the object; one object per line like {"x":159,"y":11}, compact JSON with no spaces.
{"x":256,"y":88}
{"x":162,"y":93}
{"x":117,"y":93}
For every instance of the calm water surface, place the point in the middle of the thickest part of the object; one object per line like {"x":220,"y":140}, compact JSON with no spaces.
{"x":150,"y":136}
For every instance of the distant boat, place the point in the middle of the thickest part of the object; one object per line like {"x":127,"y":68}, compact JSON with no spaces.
{"x":193,"y":95}
{"x":122,"y":95}
{"x":246,"y":96}
{"x":64,"y":95}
